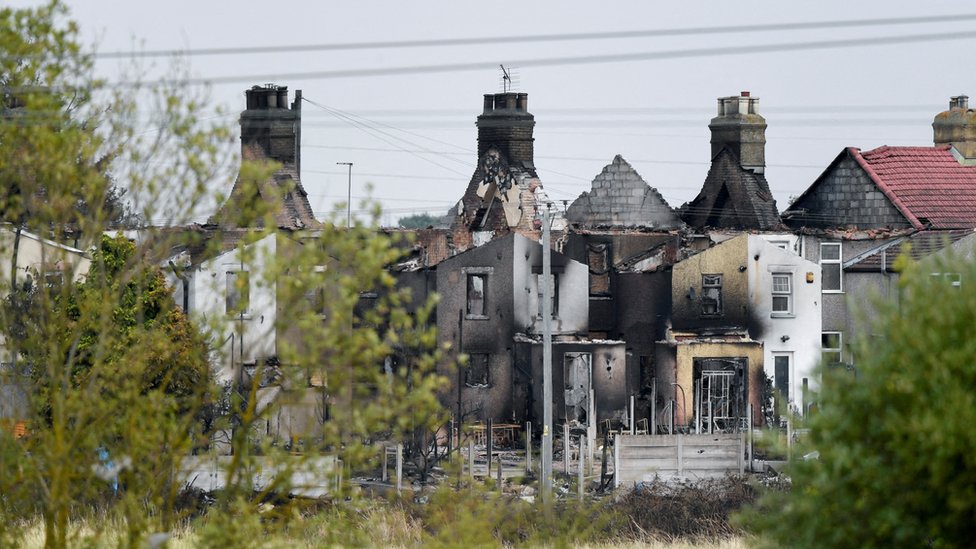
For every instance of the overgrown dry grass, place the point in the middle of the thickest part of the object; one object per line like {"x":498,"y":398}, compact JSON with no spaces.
{"x":687,"y":516}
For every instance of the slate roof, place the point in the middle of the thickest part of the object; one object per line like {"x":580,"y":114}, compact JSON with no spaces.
{"x":732,"y":197}
{"x":620,"y":197}
{"x":927,"y":184}
{"x":920,"y":244}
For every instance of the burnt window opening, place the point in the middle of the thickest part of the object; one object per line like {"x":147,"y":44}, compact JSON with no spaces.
{"x":477,"y":299}
{"x":711,"y":296}
{"x":598,"y":259}
{"x":553,"y":294}
{"x":782,"y":294}
{"x":477,"y":374}
{"x":831,"y":257}
{"x":238,"y":292}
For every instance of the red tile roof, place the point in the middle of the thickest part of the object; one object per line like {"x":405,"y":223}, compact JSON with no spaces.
{"x":927,"y":184}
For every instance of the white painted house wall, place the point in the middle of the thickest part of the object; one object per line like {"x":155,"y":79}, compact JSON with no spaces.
{"x":795,"y":334}
{"x":256,"y":328}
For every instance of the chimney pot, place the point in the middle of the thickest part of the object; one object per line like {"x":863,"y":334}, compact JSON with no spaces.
{"x":489,"y":102}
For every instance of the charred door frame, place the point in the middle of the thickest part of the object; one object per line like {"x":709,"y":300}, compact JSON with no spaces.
{"x":728,"y":405}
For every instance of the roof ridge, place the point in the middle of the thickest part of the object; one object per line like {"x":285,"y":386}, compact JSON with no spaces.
{"x":905,"y":211}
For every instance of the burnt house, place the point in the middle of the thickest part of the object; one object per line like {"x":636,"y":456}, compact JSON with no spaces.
{"x":491,"y":312}
{"x":735,"y":194}
{"x":741,"y":309}
{"x":628,"y":236}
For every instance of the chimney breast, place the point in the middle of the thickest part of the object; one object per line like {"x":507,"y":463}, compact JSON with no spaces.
{"x":957,"y":127}
{"x":740,"y":128}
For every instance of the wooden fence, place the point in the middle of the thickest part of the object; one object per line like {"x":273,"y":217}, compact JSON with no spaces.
{"x":642,"y":458}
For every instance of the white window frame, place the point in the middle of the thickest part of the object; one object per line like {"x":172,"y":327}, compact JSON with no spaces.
{"x":780,"y":293}
{"x":840,"y":267}
{"x":839,"y":349}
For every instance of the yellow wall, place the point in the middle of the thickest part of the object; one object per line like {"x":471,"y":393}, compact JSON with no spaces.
{"x":724,"y":259}
{"x":685,"y":355}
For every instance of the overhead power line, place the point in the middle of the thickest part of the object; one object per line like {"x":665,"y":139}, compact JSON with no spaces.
{"x":580,"y":59}
{"x":566,"y":37}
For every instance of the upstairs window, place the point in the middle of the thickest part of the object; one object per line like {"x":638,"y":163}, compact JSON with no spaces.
{"x":782,"y":294}
{"x":599,"y":264}
{"x":553,"y":294}
{"x":831,"y":258}
{"x":477,"y":285}
{"x":711,"y":299}
{"x":238,"y":292}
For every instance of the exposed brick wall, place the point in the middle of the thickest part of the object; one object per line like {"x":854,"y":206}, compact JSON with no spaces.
{"x":619,"y":197}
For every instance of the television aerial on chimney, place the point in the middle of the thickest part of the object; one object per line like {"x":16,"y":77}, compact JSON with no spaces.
{"x":509,"y":80}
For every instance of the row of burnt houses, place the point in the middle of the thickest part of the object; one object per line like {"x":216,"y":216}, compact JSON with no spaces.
{"x":684,"y":316}
{"x":688,"y":318}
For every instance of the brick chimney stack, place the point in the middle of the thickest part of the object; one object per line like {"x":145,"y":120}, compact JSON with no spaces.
{"x":271,"y":125}
{"x":506,"y":124}
{"x":739,"y":127}
{"x":957,"y":127}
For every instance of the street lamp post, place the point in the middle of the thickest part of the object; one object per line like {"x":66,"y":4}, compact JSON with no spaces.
{"x":349,"y":198}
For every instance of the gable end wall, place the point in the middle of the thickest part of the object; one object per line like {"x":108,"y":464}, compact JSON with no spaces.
{"x":848,"y":197}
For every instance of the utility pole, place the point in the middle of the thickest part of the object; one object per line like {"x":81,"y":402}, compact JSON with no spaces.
{"x":349,"y":199}
{"x":546,"y":362}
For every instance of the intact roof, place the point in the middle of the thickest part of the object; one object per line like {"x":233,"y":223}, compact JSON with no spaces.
{"x":919,"y":245}
{"x":926,"y":184}
{"x":732,"y":197}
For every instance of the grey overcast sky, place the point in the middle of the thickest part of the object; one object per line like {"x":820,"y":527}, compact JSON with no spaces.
{"x":821,"y":89}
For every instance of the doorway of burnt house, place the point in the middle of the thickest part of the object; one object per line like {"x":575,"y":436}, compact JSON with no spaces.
{"x":720,"y":394}
{"x":577,"y":376}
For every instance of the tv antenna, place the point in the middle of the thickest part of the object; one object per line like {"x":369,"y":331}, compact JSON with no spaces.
{"x":509,"y":80}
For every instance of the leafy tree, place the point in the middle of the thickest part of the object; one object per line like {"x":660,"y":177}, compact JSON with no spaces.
{"x":102,"y":350}
{"x":418,"y":221}
{"x":897,"y":466}
{"x":144,"y":321}
{"x":116,"y":377}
